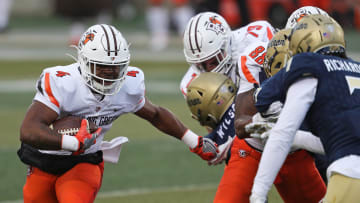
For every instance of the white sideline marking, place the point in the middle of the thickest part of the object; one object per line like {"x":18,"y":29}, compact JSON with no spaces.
{"x":123,"y":193}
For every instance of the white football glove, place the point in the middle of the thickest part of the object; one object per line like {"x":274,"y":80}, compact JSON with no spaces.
{"x":273,"y":112}
{"x":223,"y":152}
{"x":258,"y":127}
{"x":254,"y":198}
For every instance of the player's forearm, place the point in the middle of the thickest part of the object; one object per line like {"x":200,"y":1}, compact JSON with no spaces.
{"x":167,"y":122}
{"x":240,"y":124}
{"x":40,"y":136}
{"x":244,"y":110}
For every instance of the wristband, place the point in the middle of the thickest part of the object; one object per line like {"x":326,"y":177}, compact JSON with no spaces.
{"x":69,"y":143}
{"x":190,"y":139}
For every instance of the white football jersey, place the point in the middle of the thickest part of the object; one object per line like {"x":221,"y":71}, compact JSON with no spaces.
{"x":243,"y":40}
{"x":62,"y":89}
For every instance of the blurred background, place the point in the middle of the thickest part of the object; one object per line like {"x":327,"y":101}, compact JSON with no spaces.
{"x":153,"y":168}
{"x":29,"y":26}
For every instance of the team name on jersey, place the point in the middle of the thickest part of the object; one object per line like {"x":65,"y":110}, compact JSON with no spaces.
{"x":225,"y":125}
{"x":340,"y":65}
{"x":102,"y":120}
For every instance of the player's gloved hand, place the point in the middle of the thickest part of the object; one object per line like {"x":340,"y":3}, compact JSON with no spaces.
{"x":263,"y":136}
{"x":206,"y":148}
{"x":202,"y":146}
{"x":85,"y":138}
{"x":273,"y":112}
{"x":258,"y":127}
{"x":254,"y":198}
{"x":223,"y":152}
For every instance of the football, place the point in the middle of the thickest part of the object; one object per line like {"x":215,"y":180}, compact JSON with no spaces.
{"x":70,"y":125}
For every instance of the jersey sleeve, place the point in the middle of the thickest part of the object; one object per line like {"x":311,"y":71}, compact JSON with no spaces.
{"x":49,"y":90}
{"x":189,"y":76}
{"x":135,"y":87}
{"x":270,"y":91}
{"x":250,"y":66}
{"x":260,"y":30}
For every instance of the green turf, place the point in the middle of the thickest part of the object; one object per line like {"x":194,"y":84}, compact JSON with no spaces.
{"x":150,"y":161}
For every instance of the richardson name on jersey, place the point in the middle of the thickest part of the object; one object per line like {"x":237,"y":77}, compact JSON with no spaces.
{"x":102,"y":120}
{"x":340,"y":65}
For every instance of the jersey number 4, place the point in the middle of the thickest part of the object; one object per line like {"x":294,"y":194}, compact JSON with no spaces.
{"x":258,"y":54}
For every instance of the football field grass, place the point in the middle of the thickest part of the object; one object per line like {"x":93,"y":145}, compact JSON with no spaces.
{"x":153,"y":167}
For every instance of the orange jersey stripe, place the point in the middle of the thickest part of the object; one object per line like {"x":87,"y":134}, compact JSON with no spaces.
{"x":48,"y":90}
{"x":246,"y":71}
{"x":269,"y":33}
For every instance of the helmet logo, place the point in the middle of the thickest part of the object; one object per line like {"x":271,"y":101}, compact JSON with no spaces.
{"x":88,"y":37}
{"x":62,"y":73}
{"x":300,"y":17}
{"x":215,"y":25}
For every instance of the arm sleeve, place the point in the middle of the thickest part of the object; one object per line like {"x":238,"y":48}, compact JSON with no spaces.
{"x":308,"y":141}
{"x":299,"y":98}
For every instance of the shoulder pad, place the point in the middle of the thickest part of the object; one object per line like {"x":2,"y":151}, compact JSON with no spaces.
{"x":134,"y":81}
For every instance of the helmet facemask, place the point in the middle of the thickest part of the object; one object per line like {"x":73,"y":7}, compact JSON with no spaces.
{"x":218,"y":62}
{"x":108,"y":85}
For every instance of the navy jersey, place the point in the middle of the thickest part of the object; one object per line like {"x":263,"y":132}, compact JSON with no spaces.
{"x":335,"y":111}
{"x":225,"y":128}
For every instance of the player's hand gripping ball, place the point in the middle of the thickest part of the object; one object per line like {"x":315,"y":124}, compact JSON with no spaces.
{"x":70,"y":125}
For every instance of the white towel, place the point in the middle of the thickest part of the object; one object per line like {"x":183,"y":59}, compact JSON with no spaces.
{"x":111,"y":150}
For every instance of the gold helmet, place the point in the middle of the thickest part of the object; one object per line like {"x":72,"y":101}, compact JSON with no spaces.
{"x":317,"y":33}
{"x":277,"y":52}
{"x":209,"y":96}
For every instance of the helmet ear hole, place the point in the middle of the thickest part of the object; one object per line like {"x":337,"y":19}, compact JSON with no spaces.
{"x":200,"y":93}
{"x":278,"y":65}
{"x":231,"y":89}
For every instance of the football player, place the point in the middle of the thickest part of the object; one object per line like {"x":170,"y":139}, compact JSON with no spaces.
{"x":318,"y":85}
{"x":99,"y":87}
{"x":320,"y":160}
{"x":210,"y":46}
{"x":210,"y":98}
